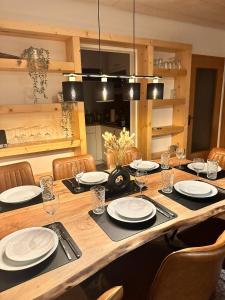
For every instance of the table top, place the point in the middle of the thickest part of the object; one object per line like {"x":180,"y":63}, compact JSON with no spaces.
{"x":97,"y":248}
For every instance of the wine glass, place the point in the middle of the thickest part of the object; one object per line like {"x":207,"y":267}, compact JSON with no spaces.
{"x":78,"y":172}
{"x":51,"y":205}
{"x":198,"y":165}
{"x":180,"y":154}
{"x":140,"y":179}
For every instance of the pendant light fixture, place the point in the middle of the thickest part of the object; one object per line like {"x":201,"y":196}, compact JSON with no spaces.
{"x":72,"y":90}
{"x":104,"y":91}
{"x":131,"y":90}
{"x":155,"y":90}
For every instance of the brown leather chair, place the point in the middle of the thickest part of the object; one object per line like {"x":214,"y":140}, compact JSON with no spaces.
{"x":62,"y":167}
{"x":219,"y":155}
{"x":130,"y":155}
{"x":189,"y":274}
{"x":16,"y":175}
{"x":115,"y":293}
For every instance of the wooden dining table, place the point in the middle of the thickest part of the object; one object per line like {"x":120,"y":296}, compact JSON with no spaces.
{"x":98,"y":250}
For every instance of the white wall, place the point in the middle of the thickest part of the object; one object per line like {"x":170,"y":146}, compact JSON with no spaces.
{"x":81,"y":14}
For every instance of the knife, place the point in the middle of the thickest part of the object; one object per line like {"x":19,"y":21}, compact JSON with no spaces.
{"x":70,"y":243}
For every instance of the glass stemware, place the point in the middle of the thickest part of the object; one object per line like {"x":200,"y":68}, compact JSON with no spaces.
{"x":78,"y":172}
{"x":198,"y":165}
{"x":140,"y":180}
{"x":180,"y":154}
{"x":50,"y":206}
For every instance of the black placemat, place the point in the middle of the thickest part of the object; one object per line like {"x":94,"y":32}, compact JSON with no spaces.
{"x":133,"y":171}
{"x":109,"y":195}
{"x":118,"y":231}
{"x":7,"y":207}
{"x":9,"y":279}
{"x":194,"y":203}
{"x":184,"y":168}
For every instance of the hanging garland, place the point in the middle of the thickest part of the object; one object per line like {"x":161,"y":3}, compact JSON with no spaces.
{"x":37,"y":64}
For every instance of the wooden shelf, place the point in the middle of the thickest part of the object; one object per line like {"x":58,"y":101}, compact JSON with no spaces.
{"x":54,"y":66}
{"x":169,"y":72}
{"x":166,"y":130}
{"x":167,"y":102}
{"x":40,"y":146}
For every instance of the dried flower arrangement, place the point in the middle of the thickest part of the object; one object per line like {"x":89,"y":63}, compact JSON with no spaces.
{"x":66,"y":122}
{"x":37,"y":64}
{"x":118,"y":146}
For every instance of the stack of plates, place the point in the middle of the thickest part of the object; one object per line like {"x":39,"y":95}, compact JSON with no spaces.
{"x":90,"y":178}
{"x":20,"y":194}
{"x":144,"y":165}
{"x":191,"y":167}
{"x":131,"y":210}
{"x":26,"y":248}
{"x":195,"y":189}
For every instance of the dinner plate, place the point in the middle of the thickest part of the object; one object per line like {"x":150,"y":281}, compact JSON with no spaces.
{"x":178,"y":188}
{"x":190,"y":166}
{"x":11,"y":265}
{"x":145,"y":165}
{"x":133,"y":208}
{"x":112,"y":212}
{"x":30,"y":243}
{"x":20,"y":194}
{"x":94,"y":178}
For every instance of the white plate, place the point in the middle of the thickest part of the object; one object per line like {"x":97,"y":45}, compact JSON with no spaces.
{"x":196,"y":188}
{"x":145,"y":165}
{"x":213,"y":192}
{"x":190,"y":166}
{"x":20,"y":194}
{"x":30,"y":244}
{"x":133,"y":208}
{"x":10,"y":265}
{"x":112,"y":212}
{"x":94,"y":177}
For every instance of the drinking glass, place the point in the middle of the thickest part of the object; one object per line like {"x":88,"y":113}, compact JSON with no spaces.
{"x":46,"y":184}
{"x":140,"y":179}
{"x":198,"y":165}
{"x":98,"y":195}
{"x":165,"y":158}
{"x":78,"y":172}
{"x":167,"y":177}
{"x":180,"y":154}
{"x":51,"y":205}
{"x":212,"y":168}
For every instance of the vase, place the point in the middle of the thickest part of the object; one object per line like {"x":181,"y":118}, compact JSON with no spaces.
{"x":119,"y":179}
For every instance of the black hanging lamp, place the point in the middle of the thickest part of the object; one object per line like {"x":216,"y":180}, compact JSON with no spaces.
{"x":155,"y":90}
{"x":72,"y":90}
{"x":131,"y":89}
{"x":104,"y":90}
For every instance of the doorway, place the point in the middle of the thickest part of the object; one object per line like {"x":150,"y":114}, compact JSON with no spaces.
{"x":205,"y":100}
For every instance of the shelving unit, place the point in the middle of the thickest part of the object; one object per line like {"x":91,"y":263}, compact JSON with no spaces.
{"x":149,"y":134}
{"x":54,"y":66}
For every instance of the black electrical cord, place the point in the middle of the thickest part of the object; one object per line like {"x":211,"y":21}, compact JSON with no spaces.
{"x":134,"y":56}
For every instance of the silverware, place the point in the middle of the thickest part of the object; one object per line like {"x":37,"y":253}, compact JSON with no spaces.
{"x":163,"y":212}
{"x":61,"y":240}
{"x":71,"y":182}
{"x":70,"y":244}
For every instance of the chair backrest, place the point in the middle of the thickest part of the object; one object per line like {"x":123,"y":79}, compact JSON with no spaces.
{"x":219,"y":155}
{"x":130,"y":155}
{"x":62,"y":167}
{"x":115,"y":293}
{"x":15,"y":175}
{"x":189,"y":274}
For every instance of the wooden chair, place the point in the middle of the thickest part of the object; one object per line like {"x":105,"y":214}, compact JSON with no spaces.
{"x":189,"y":274}
{"x":15,"y":175}
{"x":219,"y":155}
{"x":130,"y":155}
{"x":115,"y":293}
{"x":62,"y":167}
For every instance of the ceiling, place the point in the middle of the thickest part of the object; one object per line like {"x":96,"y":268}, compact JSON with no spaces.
{"x":202,"y":12}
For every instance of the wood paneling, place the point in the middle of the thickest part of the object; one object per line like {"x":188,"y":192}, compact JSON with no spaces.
{"x":97,"y":248}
